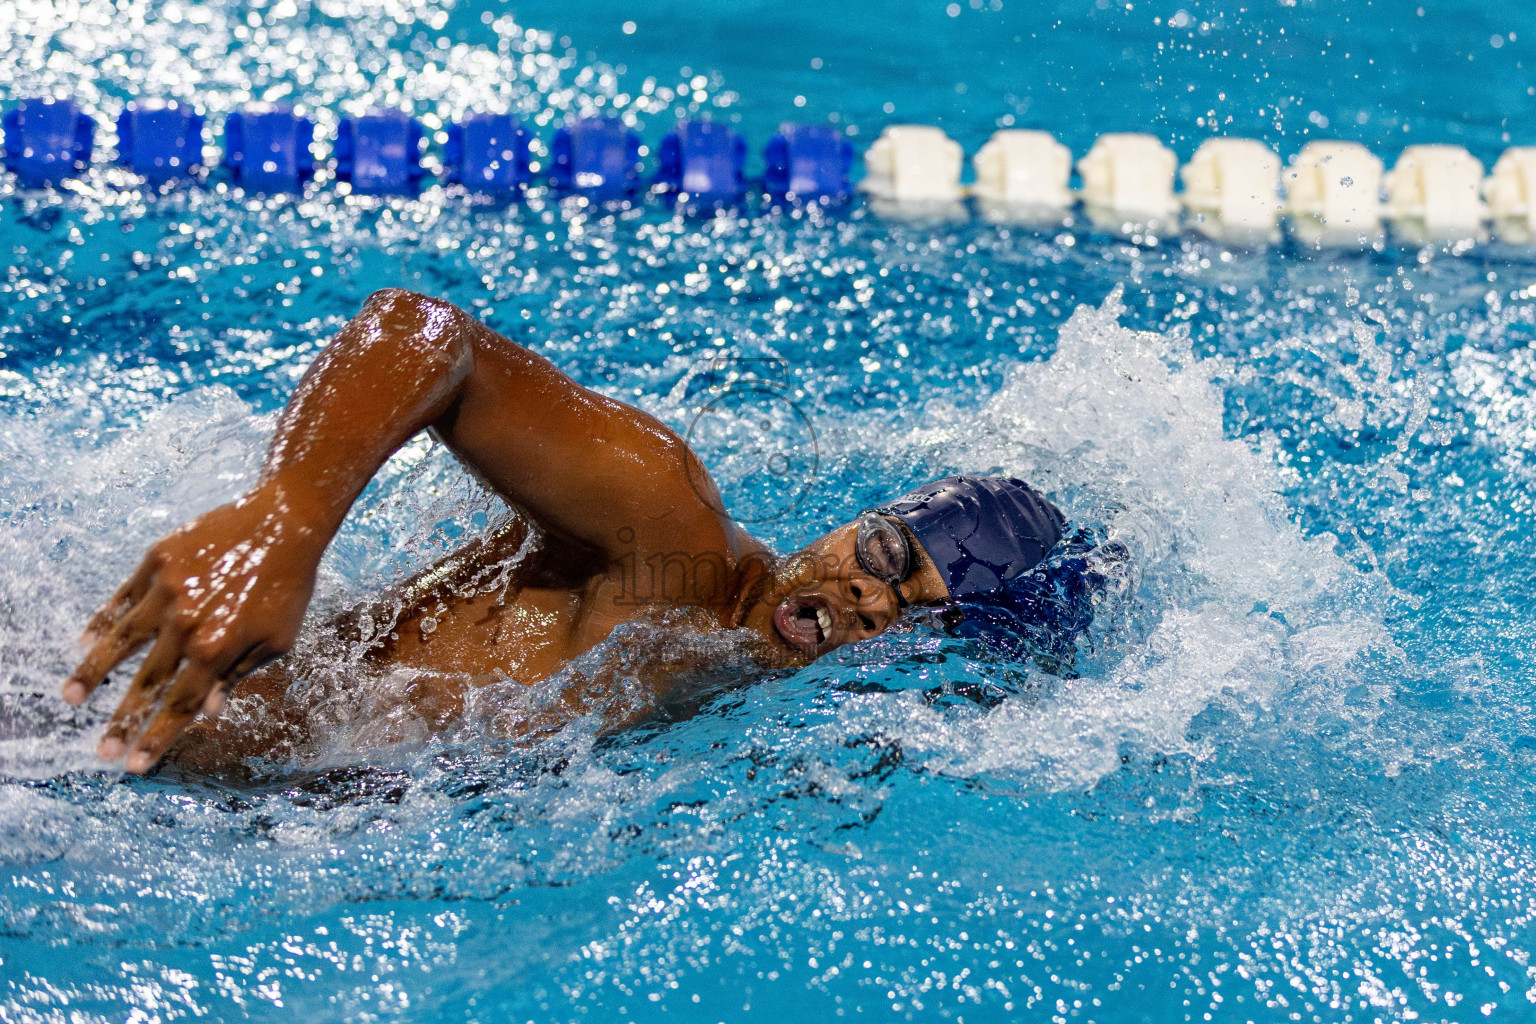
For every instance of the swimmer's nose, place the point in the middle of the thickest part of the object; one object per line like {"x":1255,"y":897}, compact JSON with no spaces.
{"x":874,"y":606}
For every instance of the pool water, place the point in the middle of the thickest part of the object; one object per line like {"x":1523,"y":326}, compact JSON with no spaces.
{"x":1290,"y":779}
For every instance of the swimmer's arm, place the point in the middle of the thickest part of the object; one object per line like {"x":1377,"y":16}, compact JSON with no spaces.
{"x":579,"y":463}
{"x":227,"y":592}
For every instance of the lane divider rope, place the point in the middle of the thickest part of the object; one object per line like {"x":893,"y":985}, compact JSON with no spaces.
{"x":1332,"y":193}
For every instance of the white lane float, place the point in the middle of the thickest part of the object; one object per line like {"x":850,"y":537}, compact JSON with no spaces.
{"x":1434,"y":194}
{"x":1232,"y":191}
{"x":1128,"y":182}
{"x":1333,"y":194}
{"x":913,"y":171}
{"x":1511,"y":194}
{"x":1022,"y":177}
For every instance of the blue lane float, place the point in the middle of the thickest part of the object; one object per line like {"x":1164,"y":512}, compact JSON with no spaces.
{"x":596,"y":157}
{"x":160,"y":140}
{"x":379,"y":153}
{"x":808,"y":163}
{"x":487,"y":153}
{"x":267,"y":148}
{"x":703,"y":161}
{"x":47,"y":141}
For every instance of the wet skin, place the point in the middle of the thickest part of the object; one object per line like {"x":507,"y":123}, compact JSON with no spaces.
{"x":616,"y":520}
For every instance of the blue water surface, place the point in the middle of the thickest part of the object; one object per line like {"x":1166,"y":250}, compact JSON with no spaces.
{"x":1289,"y":778}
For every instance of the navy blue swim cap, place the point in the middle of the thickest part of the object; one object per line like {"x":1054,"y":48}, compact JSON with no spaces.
{"x":980,"y":531}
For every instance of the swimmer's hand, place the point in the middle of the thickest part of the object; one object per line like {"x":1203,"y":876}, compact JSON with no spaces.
{"x":220,"y":596}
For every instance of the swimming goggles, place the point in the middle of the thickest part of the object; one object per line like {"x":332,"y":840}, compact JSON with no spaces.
{"x":883,"y":552}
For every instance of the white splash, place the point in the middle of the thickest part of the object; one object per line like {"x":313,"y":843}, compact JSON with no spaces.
{"x":1234,"y":603}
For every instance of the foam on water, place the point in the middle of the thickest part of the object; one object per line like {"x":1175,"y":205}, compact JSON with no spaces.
{"x":1231,"y":604}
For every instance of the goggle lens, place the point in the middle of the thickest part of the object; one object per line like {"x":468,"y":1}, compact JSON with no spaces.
{"x":882,"y":549}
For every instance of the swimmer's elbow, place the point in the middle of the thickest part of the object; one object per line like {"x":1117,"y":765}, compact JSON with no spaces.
{"x":404,"y":305}
{"x":393,"y":296}
{"x":431,"y":328}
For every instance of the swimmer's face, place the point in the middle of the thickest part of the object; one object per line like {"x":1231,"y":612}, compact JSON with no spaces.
{"x":823,"y":597}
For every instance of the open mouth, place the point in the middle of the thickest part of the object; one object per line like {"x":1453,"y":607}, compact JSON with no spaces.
{"x":804,"y":622}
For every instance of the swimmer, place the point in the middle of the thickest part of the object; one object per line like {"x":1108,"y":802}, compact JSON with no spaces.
{"x":615,"y":519}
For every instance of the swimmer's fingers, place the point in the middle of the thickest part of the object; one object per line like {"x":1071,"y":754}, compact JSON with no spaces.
{"x":143,"y":694}
{"x":127,"y":635}
{"x":255,"y":657}
{"x":119,"y":604}
{"x":183,"y":700}
{"x":179,"y":678}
